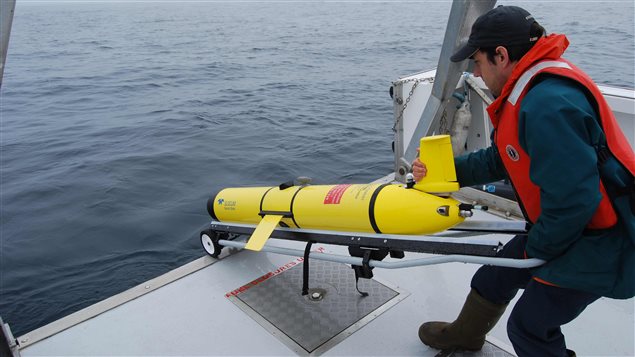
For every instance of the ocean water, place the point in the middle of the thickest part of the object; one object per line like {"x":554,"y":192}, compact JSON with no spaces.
{"x":118,"y":119}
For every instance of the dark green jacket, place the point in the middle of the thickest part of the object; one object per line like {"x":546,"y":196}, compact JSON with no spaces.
{"x":558,"y":129}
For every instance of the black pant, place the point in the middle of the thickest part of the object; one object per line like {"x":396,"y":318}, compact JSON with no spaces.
{"x":534,"y":324}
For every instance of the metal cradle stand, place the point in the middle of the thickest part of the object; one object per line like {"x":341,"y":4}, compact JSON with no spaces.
{"x":449,"y":249}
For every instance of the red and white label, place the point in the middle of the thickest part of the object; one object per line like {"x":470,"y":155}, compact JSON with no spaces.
{"x":334,"y":196}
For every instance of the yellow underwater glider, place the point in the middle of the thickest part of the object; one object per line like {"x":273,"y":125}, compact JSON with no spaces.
{"x":421,"y":208}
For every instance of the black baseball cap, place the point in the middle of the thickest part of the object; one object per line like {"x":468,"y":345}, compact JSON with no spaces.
{"x":501,"y":26}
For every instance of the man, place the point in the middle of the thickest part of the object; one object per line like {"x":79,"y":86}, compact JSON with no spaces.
{"x":572,"y":169}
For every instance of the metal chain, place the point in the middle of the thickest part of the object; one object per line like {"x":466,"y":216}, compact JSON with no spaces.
{"x":405,"y":105}
{"x":443,"y":123}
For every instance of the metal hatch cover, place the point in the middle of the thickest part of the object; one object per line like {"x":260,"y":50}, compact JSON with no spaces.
{"x":312,"y":325}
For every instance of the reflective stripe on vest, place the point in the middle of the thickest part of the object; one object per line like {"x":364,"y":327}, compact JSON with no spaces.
{"x":523,"y":81}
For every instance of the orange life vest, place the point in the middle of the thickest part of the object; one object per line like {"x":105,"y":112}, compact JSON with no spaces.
{"x":545,"y":58}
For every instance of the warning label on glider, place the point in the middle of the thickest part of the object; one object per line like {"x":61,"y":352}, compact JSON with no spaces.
{"x":335,"y":194}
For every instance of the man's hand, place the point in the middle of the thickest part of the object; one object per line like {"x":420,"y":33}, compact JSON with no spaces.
{"x":419,"y":170}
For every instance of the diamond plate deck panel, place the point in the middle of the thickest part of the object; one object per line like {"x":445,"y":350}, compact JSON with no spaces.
{"x":312,"y":324}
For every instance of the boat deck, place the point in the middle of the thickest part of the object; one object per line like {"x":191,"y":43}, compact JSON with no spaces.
{"x":248,"y":303}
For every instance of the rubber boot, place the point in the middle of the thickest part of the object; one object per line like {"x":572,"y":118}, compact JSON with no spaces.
{"x":468,"y":331}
